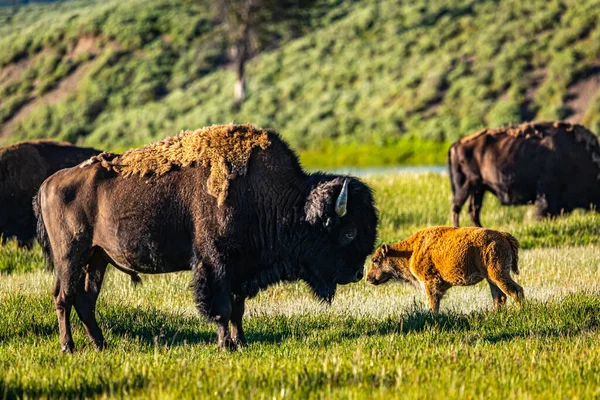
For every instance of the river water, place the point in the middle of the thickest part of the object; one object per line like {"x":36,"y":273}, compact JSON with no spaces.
{"x":389,"y":170}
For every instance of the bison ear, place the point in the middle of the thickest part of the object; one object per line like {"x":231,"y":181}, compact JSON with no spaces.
{"x":385,"y":248}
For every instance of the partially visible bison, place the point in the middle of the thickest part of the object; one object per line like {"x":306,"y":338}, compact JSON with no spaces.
{"x":23,"y":168}
{"x":231,"y":203}
{"x":555,"y":165}
{"x":440,"y":257}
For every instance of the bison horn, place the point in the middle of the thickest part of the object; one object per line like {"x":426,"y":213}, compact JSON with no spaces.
{"x":342,"y":201}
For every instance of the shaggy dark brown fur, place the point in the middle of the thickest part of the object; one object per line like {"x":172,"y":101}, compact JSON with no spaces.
{"x":554,"y":164}
{"x":274,"y":223}
{"x":23,"y":168}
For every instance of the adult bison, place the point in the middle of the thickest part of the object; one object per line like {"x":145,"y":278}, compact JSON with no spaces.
{"x":554,"y":164}
{"x":231,"y":203}
{"x":23,"y":168}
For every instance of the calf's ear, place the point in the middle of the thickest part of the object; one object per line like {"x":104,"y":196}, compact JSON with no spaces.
{"x":385,"y":248}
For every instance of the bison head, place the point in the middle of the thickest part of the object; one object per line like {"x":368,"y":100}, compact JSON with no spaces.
{"x":342,"y":218}
{"x":387,"y":263}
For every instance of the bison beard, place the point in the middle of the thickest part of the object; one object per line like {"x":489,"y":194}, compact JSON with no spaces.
{"x":276,"y":223}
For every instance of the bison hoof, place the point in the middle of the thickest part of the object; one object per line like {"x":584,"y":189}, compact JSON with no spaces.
{"x":101,"y":345}
{"x":240,"y":341}
{"x":227,"y":345}
{"x":68,"y":348}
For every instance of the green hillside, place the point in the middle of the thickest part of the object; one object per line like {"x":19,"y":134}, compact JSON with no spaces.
{"x":410,"y":76}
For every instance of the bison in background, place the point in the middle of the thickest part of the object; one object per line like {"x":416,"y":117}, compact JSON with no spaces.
{"x":555,"y":165}
{"x":231,"y":203}
{"x":23,"y":168}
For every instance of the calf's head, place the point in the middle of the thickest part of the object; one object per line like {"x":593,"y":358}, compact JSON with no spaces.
{"x":342,"y":218}
{"x":388,"y":263}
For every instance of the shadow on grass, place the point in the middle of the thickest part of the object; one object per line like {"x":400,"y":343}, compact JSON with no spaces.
{"x":575,"y":315}
{"x":277,"y":329}
{"x":33,"y":316}
{"x":24,"y":317}
{"x":152,"y":327}
{"x":156,"y":327}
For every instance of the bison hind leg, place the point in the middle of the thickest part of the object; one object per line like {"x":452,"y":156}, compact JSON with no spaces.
{"x":68,"y":275}
{"x":87,"y":295}
{"x":498,"y":295}
{"x":506,"y":284}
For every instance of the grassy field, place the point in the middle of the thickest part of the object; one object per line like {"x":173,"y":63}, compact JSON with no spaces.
{"x":373,"y":342}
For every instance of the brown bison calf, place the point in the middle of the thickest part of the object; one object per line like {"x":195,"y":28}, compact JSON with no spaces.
{"x":441,"y":257}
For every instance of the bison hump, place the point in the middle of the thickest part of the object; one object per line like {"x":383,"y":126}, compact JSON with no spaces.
{"x":225,"y":149}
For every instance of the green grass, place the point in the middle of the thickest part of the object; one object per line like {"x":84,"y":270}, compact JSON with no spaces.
{"x":364,"y":76}
{"x":372,"y":342}
{"x":403,"y":152}
{"x":409,"y":202}
{"x":13,"y":259}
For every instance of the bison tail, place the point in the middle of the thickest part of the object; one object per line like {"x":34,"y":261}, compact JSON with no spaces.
{"x":42,"y":234}
{"x":514,"y":245}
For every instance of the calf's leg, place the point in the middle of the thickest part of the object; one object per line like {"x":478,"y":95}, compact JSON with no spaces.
{"x":435,"y":290}
{"x":497,"y":294}
{"x":87,"y":296}
{"x":502,"y":279}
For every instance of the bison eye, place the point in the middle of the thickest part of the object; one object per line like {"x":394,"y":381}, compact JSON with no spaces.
{"x":347,"y":236}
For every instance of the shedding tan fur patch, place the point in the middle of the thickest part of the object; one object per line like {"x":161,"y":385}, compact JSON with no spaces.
{"x":225,"y":149}
{"x":545,"y":129}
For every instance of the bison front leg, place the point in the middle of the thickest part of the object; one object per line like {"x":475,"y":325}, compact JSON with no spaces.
{"x":213,"y":298}
{"x":547,"y":198}
{"x":237,"y":313}
{"x":475,"y":203}
{"x":435,"y":290}
{"x":458,"y":200}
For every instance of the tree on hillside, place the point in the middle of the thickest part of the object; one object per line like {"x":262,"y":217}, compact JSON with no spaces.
{"x":257,"y":24}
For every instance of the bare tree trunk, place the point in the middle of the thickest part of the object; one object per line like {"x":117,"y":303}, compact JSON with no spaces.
{"x":241,"y":56}
{"x":240,"y":19}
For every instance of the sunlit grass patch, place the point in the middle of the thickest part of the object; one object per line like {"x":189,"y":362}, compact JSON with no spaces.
{"x":15,"y":259}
